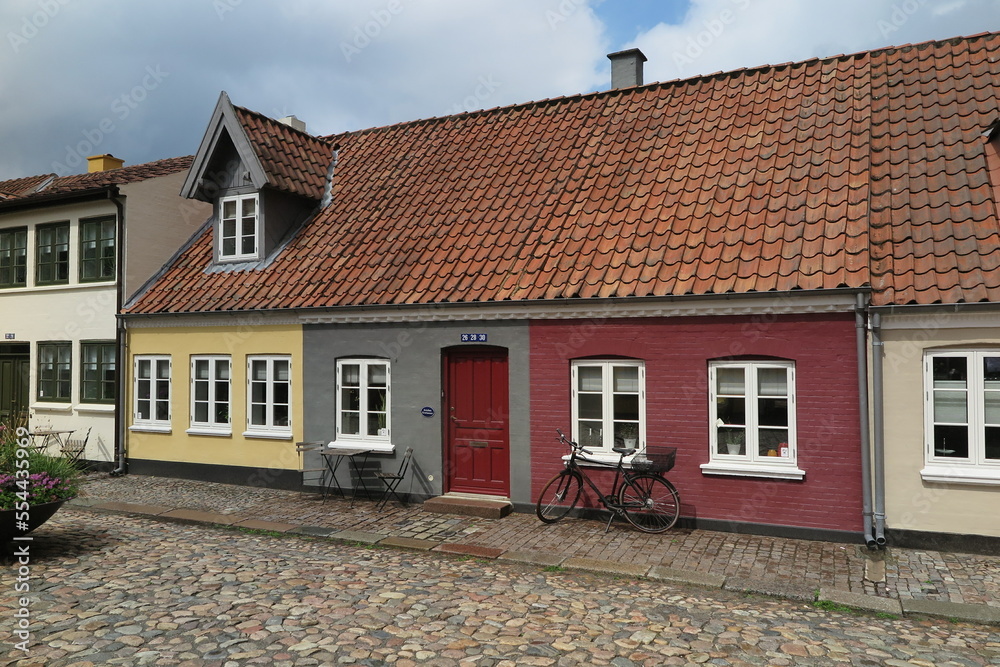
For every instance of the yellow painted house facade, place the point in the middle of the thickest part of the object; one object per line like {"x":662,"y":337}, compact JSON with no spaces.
{"x":241,"y":387}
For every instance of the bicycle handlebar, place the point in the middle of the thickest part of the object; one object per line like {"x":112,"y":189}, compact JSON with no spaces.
{"x":571,"y":443}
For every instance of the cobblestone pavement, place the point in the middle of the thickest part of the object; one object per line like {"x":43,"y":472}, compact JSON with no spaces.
{"x":803,"y":565}
{"x":115,"y":589}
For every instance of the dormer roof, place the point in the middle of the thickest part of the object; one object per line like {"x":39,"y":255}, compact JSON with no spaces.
{"x":272,"y":154}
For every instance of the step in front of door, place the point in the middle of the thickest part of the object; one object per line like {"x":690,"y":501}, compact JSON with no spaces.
{"x":465,"y":505}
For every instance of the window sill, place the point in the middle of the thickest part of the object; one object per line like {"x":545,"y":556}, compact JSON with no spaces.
{"x":151,"y":428}
{"x":753,"y":470}
{"x":96,"y":407}
{"x":381,"y":447}
{"x":268,"y":435}
{"x":961,"y":475}
{"x":55,"y":407}
{"x":225,"y":433}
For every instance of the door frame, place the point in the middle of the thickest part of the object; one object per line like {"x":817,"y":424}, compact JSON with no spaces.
{"x":446,"y":423}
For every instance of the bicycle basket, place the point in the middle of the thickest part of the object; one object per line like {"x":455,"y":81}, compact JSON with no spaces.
{"x":657,"y":459}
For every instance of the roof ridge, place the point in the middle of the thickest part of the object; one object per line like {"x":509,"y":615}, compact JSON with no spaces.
{"x":649,"y":86}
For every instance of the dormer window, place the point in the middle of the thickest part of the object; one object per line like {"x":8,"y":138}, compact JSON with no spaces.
{"x":239,"y":228}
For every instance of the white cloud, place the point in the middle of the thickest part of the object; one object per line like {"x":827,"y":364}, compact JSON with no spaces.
{"x":723,"y":35}
{"x":69,"y":73}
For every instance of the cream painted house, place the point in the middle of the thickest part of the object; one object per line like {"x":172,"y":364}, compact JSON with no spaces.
{"x":941,"y":403}
{"x":71,"y":249}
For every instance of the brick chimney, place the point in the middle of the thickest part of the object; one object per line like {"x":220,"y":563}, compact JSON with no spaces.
{"x":104,"y":162}
{"x":626,"y":68}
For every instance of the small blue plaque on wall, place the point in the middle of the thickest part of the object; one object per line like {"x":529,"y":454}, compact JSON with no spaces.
{"x":427,"y":412}
{"x":8,"y":336}
{"x":473,"y":338}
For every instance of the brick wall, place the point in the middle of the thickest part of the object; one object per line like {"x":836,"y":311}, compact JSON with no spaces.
{"x":677,"y":352}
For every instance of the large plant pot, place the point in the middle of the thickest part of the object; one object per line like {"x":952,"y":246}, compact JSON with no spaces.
{"x":37,"y":515}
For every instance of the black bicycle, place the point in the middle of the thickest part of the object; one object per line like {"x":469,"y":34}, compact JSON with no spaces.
{"x":640,"y":493}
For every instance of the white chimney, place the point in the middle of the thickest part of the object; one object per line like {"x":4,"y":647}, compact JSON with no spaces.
{"x":626,"y":68}
{"x":292,"y":121}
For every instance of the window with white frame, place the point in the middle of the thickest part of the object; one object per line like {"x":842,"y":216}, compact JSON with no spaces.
{"x":151,"y":391}
{"x":238,"y":227}
{"x":210,"y":394}
{"x":752,"y":418}
{"x":269,"y":389}
{"x":609,"y":404}
{"x":962,"y":415}
{"x":363,"y":391}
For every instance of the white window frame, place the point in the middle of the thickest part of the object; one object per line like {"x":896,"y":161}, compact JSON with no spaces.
{"x":975,"y":468}
{"x":751,"y":463}
{"x":211,"y":426}
{"x":269,"y":429}
{"x":239,"y":236}
{"x":152,"y":423}
{"x":376,"y":442}
{"x":604,"y":453}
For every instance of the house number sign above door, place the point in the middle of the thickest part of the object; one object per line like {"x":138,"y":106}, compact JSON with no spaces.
{"x":473,"y":338}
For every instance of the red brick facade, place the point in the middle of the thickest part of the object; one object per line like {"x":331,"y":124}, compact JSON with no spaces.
{"x":676,"y":352}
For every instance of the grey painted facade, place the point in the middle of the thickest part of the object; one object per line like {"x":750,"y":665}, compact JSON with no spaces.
{"x":415,"y":353}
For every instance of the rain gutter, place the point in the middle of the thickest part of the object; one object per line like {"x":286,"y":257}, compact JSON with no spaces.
{"x":861,"y":332}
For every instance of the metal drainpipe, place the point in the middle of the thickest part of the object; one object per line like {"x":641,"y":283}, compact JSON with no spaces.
{"x":879,"y":440}
{"x":121,"y":357}
{"x":861,"y":331}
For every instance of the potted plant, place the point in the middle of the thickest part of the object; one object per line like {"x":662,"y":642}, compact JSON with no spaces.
{"x":629,"y":434}
{"x":731,"y":438}
{"x":33,"y":485}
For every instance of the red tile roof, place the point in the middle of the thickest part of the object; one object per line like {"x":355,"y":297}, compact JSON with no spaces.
{"x":24,"y":189}
{"x":845,"y":172}
{"x":18,"y":187}
{"x":294,"y":161}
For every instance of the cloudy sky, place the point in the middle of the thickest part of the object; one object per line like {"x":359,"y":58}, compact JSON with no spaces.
{"x":139,"y":79}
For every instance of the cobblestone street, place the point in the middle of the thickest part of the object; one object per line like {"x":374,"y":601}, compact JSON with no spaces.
{"x":114,"y":589}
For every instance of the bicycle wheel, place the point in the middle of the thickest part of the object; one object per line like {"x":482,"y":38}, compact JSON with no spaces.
{"x":558,"y":496}
{"x":650,"y":503}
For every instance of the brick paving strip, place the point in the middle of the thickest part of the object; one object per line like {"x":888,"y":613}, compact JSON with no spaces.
{"x":899,"y":581}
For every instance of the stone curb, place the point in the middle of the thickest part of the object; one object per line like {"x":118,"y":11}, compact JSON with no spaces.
{"x":197,"y":516}
{"x":469,"y":550}
{"x":773,"y":587}
{"x":539,"y":558}
{"x":409,"y":543}
{"x":976,"y":613}
{"x":860,"y":601}
{"x":605,"y":566}
{"x":661,"y":573}
{"x":273,"y":526}
{"x":312,"y":531}
{"x":358,"y":536}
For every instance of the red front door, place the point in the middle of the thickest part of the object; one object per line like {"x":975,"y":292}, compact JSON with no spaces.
{"x":477,"y":450}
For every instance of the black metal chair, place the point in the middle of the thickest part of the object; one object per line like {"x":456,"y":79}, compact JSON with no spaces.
{"x":392,"y":480}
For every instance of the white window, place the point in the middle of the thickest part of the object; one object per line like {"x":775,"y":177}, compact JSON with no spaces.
{"x":363,"y":407}
{"x":269,"y":391}
{"x":962,"y":416}
{"x":752,"y":418}
{"x":238,"y":227}
{"x":151,"y":391}
{"x":609,"y":405}
{"x":210,"y":395}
